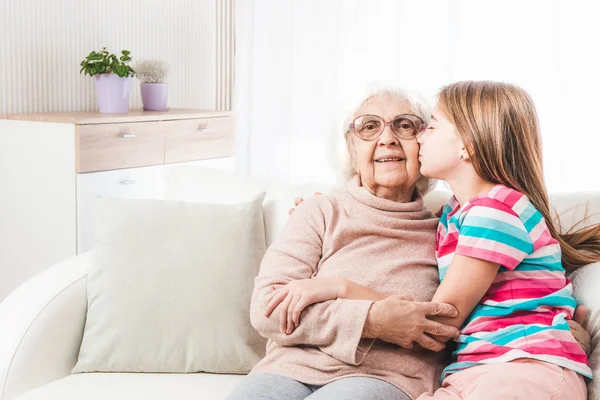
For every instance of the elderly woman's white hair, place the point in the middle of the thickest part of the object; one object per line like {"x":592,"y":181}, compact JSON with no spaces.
{"x":419,"y":107}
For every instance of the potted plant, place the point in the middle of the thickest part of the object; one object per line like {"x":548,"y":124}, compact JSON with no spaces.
{"x":113,"y":78}
{"x":154,"y":89}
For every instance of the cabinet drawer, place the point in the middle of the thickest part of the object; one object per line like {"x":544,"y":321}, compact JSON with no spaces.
{"x":123,"y":145}
{"x":198,"y":139}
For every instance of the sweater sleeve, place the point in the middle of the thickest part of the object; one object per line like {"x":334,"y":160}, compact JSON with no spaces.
{"x":334,"y":326}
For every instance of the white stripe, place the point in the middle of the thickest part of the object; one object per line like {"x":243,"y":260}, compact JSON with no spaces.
{"x":492,"y":245}
{"x":445,"y":261}
{"x":489,"y":212}
{"x":521,"y":205}
{"x":546,"y":251}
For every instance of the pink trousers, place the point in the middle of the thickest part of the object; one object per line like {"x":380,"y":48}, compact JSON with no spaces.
{"x":519,"y":379}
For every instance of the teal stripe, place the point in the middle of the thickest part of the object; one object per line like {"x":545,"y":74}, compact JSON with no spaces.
{"x":501,"y":311}
{"x":532,"y":221}
{"x":497,"y":236}
{"x":509,"y":335}
{"x":551,"y":259}
{"x":496,"y":225}
{"x":526,"y":266}
{"x":530,"y":264}
{"x":456,"y":367}
{"x":527,"y":213}
{"x":443,"y":272}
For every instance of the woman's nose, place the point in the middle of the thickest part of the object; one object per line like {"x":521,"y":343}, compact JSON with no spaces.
{"x":387,"y":137}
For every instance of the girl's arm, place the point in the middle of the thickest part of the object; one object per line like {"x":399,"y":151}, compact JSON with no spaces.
{"x":466,"y":282}
{"x":352,"y":290}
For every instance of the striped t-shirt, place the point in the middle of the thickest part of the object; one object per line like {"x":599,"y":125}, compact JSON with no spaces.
{"x":524,"y":312}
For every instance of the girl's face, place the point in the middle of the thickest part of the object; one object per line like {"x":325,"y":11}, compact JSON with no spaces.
{"x":441,"y":148}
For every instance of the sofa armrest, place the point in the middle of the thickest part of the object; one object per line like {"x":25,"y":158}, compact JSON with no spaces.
{"x":41,"y":327}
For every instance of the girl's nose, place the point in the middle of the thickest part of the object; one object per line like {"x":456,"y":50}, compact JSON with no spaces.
{"x":420,"y":136}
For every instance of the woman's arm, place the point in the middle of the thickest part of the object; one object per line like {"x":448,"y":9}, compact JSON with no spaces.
{"x":394,"y":319}
{"x":335,"y":326}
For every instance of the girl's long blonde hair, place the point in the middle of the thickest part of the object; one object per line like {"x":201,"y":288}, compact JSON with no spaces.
{"x":499,"y":126}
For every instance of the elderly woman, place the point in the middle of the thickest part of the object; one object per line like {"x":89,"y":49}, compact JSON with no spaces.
{"x":374,"y":233}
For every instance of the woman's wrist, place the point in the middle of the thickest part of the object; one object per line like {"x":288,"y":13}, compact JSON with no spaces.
{"x":371,"y":327}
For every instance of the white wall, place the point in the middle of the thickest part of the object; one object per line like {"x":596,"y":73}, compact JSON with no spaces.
{"x":303,"y":64}
{"x":42,"y":43}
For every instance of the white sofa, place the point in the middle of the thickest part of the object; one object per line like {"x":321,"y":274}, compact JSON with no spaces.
{"x":42,"y":322}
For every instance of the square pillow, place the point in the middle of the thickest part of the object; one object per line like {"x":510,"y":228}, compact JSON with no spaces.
{"x":170,"y":285}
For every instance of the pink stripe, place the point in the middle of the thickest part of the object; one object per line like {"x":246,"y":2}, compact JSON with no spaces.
{"x":490,"y":244}
{"x":503,"y":259}
{"x":555,"y":283}
{"x":553,"y":338}
{"x":445,"y":249}
{"x":478,"y":325}
{"x":519,"y":294}
{"x":559,"y":352}
{"x":501,"y":193}
{"x":509,"y":276}
{"x":491,"y":203}
{"x":516,"y":314}
{"x":544,"y":240}
{"x":512,"y":197}
{"x":484,"y":352}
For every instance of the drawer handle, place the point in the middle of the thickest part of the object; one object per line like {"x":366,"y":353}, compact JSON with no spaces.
{"x":127,"y":182}
{"x":126,"y":135}
{"x":204,"y":129}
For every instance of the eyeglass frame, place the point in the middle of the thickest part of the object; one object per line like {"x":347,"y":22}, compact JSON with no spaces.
{"x":352,"y":128}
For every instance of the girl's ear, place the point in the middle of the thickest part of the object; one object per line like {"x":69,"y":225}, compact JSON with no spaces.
{"x":464,"y":154}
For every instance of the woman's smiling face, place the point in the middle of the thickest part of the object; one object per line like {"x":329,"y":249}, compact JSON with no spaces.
{"x":388,"y":166}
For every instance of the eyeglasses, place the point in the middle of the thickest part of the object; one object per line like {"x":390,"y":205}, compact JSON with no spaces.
{"x":370,"y":127}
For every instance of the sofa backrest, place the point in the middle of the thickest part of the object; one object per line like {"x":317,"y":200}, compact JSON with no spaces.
{"x":196,"y":184}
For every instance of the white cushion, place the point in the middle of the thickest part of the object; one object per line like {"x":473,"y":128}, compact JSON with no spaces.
{"x":198,"y":184}
{"x":170,"y":285}
{"x":102,"y":386}
{"x":585,"y":283}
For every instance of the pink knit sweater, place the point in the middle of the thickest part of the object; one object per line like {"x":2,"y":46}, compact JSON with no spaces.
{"x":381,"y":244}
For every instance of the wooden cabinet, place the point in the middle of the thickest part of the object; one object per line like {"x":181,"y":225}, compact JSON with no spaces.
{"x":53,"y":166}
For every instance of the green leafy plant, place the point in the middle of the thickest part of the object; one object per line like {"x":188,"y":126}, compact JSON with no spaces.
{"x":103,"y":62}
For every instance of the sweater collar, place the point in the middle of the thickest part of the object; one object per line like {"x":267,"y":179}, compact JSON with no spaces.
{"x":363,"y":195}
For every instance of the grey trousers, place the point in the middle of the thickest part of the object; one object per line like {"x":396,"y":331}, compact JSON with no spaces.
{"x":279,"y":387}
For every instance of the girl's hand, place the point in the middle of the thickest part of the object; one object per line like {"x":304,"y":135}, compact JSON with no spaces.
{"x":299,"y":200}
{"x":299,"y":294}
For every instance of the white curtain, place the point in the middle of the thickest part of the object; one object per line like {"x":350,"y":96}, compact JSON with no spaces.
{"x":301,"y":64}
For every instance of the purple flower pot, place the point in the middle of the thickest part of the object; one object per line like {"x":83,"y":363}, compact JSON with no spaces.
{"x":155,"y":96}
{"x":113,"y":93}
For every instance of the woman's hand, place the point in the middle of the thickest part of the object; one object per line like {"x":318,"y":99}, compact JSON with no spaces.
{"x":299,"y":294}
{"x":576,"y":324}
{"x":399,"y":320}
{"x":299,"y":200}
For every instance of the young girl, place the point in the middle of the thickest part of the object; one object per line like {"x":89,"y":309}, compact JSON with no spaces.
{"x":499,"y":255}
{"x":501,"y":260}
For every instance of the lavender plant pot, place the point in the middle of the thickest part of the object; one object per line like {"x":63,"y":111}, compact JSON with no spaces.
{"x":113,"y":93}
{"x":155,"y":96}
